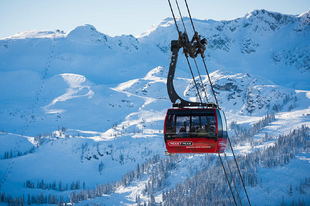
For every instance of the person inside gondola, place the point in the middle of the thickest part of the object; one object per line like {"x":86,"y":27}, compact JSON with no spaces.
{"x":183,"y":130}
{"x":211,"y":131}
{"x":170,"y":125}
{"x":202,"y":132}
{"x":207,"y":130}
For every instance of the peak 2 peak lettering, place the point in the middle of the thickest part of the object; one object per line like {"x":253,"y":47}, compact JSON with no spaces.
{"x":180,"y":143}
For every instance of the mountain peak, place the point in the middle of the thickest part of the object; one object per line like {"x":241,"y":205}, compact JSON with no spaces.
{"x":305,"y":16}
{"x":86,"y":33}
{"x":259,"y":13}
{"x":267,"y":20}
{"x":83,"y":30}
{"x":85,"y":27}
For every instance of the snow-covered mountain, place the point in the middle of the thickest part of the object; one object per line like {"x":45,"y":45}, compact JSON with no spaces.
{"x":264,"y":43}
{"x":81,"y":108}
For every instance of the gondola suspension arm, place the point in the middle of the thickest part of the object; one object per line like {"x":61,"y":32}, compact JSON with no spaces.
{"x":176,"y":100}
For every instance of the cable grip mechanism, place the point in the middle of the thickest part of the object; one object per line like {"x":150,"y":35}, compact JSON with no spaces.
{"x":195,"y":46}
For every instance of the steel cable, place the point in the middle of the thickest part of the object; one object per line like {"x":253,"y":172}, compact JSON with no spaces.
{"x":217,"y":104}
{"x":227,"y":179}
{"x":233,"y":180}
{"x":189,"y":13}
{"x":210,"y":82}
{"x":239,"y":171}
{"x":203,"y":87}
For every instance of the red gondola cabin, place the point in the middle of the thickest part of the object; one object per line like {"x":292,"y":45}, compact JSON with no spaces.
{"x":195,"y":130}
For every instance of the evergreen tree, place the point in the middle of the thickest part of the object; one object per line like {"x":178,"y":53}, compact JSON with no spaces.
{"x":138,"y":200}
{"x":29,"y":200}
{"x":60,"y":186}
{"x":101,"y":167}
{"x":282,"y":203}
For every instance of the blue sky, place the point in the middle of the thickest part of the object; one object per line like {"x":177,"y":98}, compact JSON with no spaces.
{"x":117,"y":17}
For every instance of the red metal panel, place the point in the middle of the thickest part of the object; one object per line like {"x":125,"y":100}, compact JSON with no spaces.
{"x":195,"y":145}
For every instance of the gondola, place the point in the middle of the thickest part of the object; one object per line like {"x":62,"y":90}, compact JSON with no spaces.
{"x":195,"y":130}
{"x":192,"y":127}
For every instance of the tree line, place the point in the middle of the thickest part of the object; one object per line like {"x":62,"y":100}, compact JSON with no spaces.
{"x":13,"y":154}
{"x":53,"y":186}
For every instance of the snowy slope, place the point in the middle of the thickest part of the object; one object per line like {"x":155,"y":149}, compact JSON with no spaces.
{"x":83,"y":106}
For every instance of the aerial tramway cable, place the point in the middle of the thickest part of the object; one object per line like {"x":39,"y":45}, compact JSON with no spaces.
{"x":189,"y":13}
{"x":205,"y":65}
{"x":233,"y":180}
{"x":202,"y":56}
{"x":227,"y":178}
{"x":239,"y":171}
{"x":217,"y":104}
{"x":210,"y":81}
